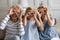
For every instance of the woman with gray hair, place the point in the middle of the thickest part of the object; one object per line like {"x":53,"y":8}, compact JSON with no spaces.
{"x":13,"y":24}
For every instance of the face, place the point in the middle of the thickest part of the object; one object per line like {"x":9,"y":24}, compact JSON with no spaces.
{"x":42,"y":11}
{"x":30,"y":14}
{"x":14,"y":18}
{"x":17,"y":11}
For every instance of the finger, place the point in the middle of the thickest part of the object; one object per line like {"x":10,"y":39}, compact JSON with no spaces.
{"x":27,"y":14}
{"x":21,"y":16}
{"x":17,"y":15}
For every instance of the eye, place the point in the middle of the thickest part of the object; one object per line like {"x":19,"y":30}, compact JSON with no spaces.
{"x":31,"y":13}
{"x":40,"y":12}
{"x":44,"y":10}
{"x":28,"y":14}
{"x":13,"y":10}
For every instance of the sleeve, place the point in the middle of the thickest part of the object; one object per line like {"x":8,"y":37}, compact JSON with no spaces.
{"x":4,"y":22}
{"x":21,"y":29}
{"x":54,"y":22}
{"x":54,"y":19}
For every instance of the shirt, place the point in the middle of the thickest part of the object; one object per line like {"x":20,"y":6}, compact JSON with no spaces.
{"x":48,"y":33}
{"x":31,"y":31}
{"x":12,"y":28}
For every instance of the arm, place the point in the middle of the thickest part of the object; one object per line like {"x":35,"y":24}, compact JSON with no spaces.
{"x":51,"y":22}
{"x":39,"y":22}
{"x":21,"y":27}
{"x":4,"y":22}
{"x":25,"y":21}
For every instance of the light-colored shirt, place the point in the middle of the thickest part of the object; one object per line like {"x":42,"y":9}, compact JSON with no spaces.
{"x":31,"y":31}
{"x":12,"y":28}
{"x":49,"y":32}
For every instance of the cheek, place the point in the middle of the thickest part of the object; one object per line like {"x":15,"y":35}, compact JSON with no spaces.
{"x":11,"y":17}
{"x":14,"y":18}
{"x":43,"y":13}
{"x":29,"y":14}
{"x":14,"y":11}
{"x":44,"y":16}
{"x":17,"y":10}
{"x":18,"y":14}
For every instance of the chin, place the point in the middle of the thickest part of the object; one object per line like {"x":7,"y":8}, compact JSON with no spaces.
{"x":14,"y":20}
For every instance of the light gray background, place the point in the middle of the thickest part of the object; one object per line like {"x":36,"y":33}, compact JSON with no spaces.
{"x":53,"y":6}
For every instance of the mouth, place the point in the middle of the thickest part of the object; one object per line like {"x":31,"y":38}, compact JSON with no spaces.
{"x":31,"y":15}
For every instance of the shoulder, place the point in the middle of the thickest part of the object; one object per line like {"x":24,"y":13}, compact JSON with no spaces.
{"x":54,"y":19}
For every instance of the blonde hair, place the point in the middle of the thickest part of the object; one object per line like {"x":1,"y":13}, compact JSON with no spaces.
{"x":16,"y":6}
{"x":28,"y":9}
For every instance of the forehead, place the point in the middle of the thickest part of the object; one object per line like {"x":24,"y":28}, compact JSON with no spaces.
{"x":18,"y":7}
{"x":41,"y":9}
{"x":30,"y":11}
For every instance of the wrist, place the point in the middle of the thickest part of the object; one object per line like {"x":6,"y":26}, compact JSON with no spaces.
{"x":20,"y":23}
{"x":25,"y":16}
{"x":20,"y":20}
{"x":8,"y":16}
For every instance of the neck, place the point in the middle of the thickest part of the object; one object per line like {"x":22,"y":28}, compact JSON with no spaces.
{"x":45,"y":19}
{"x":32,"y":19}
{"x":13,"y":21}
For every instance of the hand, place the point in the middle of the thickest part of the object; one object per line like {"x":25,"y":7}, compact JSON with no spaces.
{"x":37,"y":14}
{"x":20,"y":17}
{"x":11,"y":11}
{"x":18,"y":12}
{"x":26,"y":15}
{"x":46,"y":12}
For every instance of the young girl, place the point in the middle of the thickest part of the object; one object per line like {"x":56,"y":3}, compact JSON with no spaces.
{"x":13,"y":24}
{"x":46,"y":24}
{"x":31,"y":31}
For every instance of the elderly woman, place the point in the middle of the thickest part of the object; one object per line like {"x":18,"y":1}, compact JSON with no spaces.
{"x":46,"y":24}
{"x":13,"y":24}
